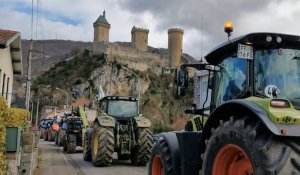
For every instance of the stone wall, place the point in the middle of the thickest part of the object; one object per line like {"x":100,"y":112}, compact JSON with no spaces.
{"x":29,"y":153}
{"x":137,"y":60}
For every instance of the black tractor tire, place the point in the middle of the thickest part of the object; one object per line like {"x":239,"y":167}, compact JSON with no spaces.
{"x":87,"y":155}
{"x":46,"y":135}
{"x":61,"y":137}
{"x":140,"y":154}
{"x":52,"y":135}
{"x":102,"y":145}
{"x":65,"y":146}
{"x":123,"y":157}
{"x":269,"y":154}
{"x":160,"y":159}
{"x":42,"y":133}
{"x":56,"y":138}
{"x":71,"y":147}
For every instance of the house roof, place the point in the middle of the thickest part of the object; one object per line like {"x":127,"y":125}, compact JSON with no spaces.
{"x":12,"y":39}
{"x":81,"y":101}
{"x":6,"y":36}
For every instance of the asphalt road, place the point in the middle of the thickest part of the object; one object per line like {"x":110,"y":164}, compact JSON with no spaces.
{"x":53,"y":161}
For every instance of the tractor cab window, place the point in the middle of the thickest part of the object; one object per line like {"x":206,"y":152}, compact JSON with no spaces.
{"x":230,"y":80}
{"x":276,"y":74}
{"x":122,"y":108}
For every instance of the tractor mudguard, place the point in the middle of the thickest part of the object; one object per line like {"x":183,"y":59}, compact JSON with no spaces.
{"x":72,"y":138}
{"x":173,"y":144}
{"x":190,"y":155}
{"x":142,"y":122}
{"x":240,"y":108}
{"x":106,"y":121}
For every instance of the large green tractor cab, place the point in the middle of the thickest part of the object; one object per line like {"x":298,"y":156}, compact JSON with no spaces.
{"x":73,"y":136}
{"x":118,"y":128}
{"x":252,"y":126}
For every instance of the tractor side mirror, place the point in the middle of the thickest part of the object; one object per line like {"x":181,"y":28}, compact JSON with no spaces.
{"x":182,"y":82}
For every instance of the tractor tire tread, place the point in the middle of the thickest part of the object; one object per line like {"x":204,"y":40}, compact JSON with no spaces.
{"x":103,"y":157}
{"x":269,"y":154}
{"x":140,"y":155}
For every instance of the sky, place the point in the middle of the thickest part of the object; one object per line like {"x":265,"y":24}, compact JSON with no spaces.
{"x":201,"y":20}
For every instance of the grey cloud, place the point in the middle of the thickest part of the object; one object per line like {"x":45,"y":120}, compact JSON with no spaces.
{"x":188,"y":14}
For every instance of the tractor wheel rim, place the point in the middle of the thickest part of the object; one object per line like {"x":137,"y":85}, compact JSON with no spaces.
{"x":157,"y":166}
{"x":232,"y":160}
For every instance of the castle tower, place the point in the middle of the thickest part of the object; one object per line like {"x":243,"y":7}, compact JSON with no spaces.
{"x":101,"y":29}
{"x":175,"y":46}
{"x":139,"y":38}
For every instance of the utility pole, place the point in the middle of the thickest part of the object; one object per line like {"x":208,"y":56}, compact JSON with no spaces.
{"x":37,"y":112}
{"x":28,"y":82}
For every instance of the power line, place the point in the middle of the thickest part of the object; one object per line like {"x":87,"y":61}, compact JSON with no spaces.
{"x":37,"y":19}
{"x":31,"y":19}
{"x":201,"y":50}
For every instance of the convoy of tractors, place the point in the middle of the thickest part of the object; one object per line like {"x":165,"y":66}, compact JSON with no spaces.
{"x":118,"y":128}
{"x":251,"y":125}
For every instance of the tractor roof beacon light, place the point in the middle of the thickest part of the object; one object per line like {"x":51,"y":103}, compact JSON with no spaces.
{"x":228,"y":28}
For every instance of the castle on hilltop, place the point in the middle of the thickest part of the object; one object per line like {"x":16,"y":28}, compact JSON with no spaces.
{"x":138,"y":50}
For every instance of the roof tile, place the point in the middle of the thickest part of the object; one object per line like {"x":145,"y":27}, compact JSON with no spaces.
{"x":5,"y":35}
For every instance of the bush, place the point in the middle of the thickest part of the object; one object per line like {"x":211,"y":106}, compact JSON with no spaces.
{"x":9,"y":117}
{"x":17,"y":118}
{"x":4,"y":113}
{"x":159,"y":127}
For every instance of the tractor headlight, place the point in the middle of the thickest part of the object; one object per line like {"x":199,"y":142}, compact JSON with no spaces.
{"x":277,"y":103}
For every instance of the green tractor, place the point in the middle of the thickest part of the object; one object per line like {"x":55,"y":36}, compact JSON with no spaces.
{"x":73,"y":135}
{"x":252,"y":125}
{"x":118,"y":128}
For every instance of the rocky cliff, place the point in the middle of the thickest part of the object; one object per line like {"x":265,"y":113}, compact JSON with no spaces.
{"x":83,"y":75}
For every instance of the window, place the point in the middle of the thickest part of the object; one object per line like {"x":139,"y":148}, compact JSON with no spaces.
{"x":231,"y":80}
{"x":3,"y":84}
{"x":7,"y":88}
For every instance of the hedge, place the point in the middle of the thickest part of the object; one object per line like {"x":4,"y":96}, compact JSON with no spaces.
{"x":9,"y":117}
{"x":4,"y":113}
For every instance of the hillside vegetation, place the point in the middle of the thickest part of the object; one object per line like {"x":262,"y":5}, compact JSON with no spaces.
{"x":82,"y":76}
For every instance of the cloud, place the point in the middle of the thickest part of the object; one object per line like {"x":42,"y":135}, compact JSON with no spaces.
{"x":73,"y":19}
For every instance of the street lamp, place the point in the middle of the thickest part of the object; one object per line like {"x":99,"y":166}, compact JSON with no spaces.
{"x":139,"y":82}
{"x":67,"y":94}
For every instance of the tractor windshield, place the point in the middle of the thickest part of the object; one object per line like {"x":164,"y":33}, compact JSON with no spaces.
{"x":277,"y":74}
{"x":122,"y":108}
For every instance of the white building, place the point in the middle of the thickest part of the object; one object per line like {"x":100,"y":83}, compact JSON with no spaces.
{"x":200,"y":89}
{"x":10,"y":61}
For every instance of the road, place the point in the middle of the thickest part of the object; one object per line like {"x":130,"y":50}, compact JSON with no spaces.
{"x":53,"y":161}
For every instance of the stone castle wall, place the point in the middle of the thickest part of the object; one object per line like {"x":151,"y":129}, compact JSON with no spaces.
{"x":139,"y":60}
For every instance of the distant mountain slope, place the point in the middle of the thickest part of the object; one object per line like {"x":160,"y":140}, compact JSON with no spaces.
{"x":54,"y":51}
